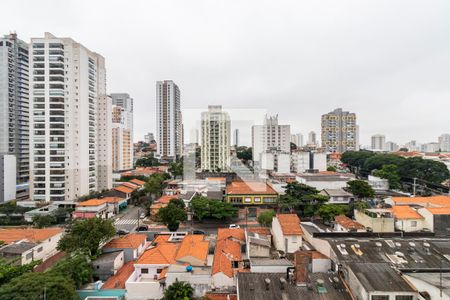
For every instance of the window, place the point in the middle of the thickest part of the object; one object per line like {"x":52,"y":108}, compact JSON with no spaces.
{"x":404,"y":297}
{"x":380,"y":297}
{"x":144,"y":271}
{"x":248,"y":199}
{"x":413,"y":223}
{"x":257,"y":199}
{"x":39,"y":249}
{"x":158,"y":271}
{"x":29,"y":256}
{"x":294,"y":239}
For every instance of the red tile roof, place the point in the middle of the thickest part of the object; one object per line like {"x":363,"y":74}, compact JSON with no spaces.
{"x":35,"y":235}
{"x":434,"y":201}
{"x":225,"y":233}
{"x":92,"y":202}
{"x":226,"y":252}
{"x":220,"y":296}
{"x":123,"y":189}
{"x":290,"y":224}
{"x":166,"y":198}
{"x":161,"y":254}
{"x":260,"y":230}
{"x":118,"y":281}
{"x":137,"y":181}
{"x":439,"y":210}
{"x":347,"y":223}
{"x":194,"y":246}
{"x":129,"y":241}
{"x":404,"y":212}
{"x":130,"y":185}
{"x":249,"y":188}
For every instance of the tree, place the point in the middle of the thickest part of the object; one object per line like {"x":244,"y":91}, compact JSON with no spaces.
{"x":155,"y":185}
{"x":360,"y":188}
{"x":329,"y":211}
{"x":77,"y":267}
{"x":300,"y":196}
{"x":147,"y":161}
{"x":10,"y":270}
{"x":265,"y":218}
{"x":360,"y":205}
{"x":331,"y":168}
{"x":86,"y":236}
{"x":179,"y":290}
{"x":178,"y":203}
{"x":221,"y":210}
{"x":41,"y":221}
{"x":426,"y":169}
{"x":377,"y":161}
{"x":176,"y":169}
{"x":389,"y":172}
{"x":37,"y":285}
{"x":200,"y":207}
{"x":244,"y":153}
{"x":356,"y":159}
{"x":172,"y":216}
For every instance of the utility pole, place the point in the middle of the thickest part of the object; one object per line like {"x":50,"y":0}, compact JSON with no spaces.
{"x":414,"y":186}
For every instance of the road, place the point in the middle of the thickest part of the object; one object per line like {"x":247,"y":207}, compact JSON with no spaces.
{"x":129,"y":219}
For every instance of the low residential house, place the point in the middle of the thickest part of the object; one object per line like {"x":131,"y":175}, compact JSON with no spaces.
{"x":343,"y":223}
{"x":338,"y":196}
{"x":24,"y":245}
{"x":376,"y":219}
{"x":287,"y":233}
{"x":432,"y":201}
{"x":262,"y":265}
{"x":139,"y":183}
{"x":117,"y":203}
{"x":117,"y":282}
{"x":257,"y":245}
{"x":108,"y":264}
{"x":435,"y":285}
{"x":132,"y":245}
{"x":324,"y":180}
{"x":93,"y":208}
{"x":122,"y":191}
{"x":378,"y":184}
{"x":436,"y":219}
{"x":407,"y":219}
{"x":163,"y":201}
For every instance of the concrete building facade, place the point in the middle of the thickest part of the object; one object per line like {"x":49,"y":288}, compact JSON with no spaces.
{"x":378,"y":142}
{"x":444,"y":142}
{"x":270,"y":136}
{"x":122,"y":132}
{"x":7,"y":177}
{"x":340,"y":131}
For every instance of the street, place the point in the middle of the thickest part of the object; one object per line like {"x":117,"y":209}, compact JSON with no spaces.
{"x":129,"y":220}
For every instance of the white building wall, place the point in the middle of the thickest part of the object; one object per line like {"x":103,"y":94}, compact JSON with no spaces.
{"x":293,"y":242}
{"x":7,"y":178}
{"x":409,"y":225}
{"x":48,"y":249}
{"x":283,"y":163}
{"x":270,"y":136}
{"x":219,"y":280}
{"x":320,"y":161}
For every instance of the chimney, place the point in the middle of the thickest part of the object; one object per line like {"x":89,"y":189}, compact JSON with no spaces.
{"x":267,"y":283}
{"x":282,"y":283}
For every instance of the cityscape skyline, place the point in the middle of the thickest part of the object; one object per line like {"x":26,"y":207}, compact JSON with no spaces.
{"x":249,"y":79}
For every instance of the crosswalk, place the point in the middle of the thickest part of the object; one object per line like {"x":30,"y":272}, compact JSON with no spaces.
{"x":126,"y":222}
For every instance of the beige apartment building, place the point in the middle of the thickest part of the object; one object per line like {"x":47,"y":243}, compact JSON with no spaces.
{"x":340,"y":131}
{"x":122,"y":132}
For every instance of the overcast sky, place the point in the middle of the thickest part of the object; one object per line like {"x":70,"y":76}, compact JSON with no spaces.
{"x":387,"y":61}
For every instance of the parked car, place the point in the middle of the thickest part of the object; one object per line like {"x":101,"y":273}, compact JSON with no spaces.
{"x":142,"y":228}
{"x":234,"y":226}
{"x":142,"y":216}
{"x":122,"y":232}
{"x":198,"y":232}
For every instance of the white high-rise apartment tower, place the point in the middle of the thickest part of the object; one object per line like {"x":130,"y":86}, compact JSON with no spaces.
{"x":339,"y":131}
{"x":378,"y":142}
{"x":236,"y":137}
{"x":169,"y":130}
{"x":444,"y":142}
{"x":312,"y":138}
{"x":270,"y":136}
{"x":14,"y":109}
{"x":297,"y":139}
{"x":70,"y":112}
{"x":122,"y":132}
{"x":216,"y":139}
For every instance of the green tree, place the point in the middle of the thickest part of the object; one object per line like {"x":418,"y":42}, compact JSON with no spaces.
{"x":360,"y":205}
{"x":41,"y":221}
{"x":426,"y":169}
{"x":389,"y":172}
{"x":76,"y":267}
{"x":300,"y":196}
{"x":178,"y":203}
{"x":221,"y":210}
{"x":360,"y":188}
{"x":244,"y":153}
{"x":37,"y":285}
{"x":331,"y":168}
{"x":176,"y":169}
{"x":10,"y":269}
{"x":147,"y":161}
{"x":376,"y":162}
{"x":356,"y":159}
{"x":87,"y":236}
{"x":329,"y":211}
{"x":179,"y":290}
{"x":265,"y":218}
{"x":200,"y":207}
{"x":172,"y":215}
{"x":155,"y":185}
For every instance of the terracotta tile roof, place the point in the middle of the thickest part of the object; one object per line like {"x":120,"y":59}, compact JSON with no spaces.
{"x":130,"y":185}
{"x":404,"y":212}
{"x":92,"y":202}
{"x":220,"y":296}
{"x":226,"y":252}
{"x":252,"y":188}
{"x":260,"y":230}
{"x":118,"y":281}
{"x":163,"y":238}
{"x":225,"y":233}
{"x":123,"y":189}
{"x":318,"y":255}
{"x":113,"y":199}
{"x":436,"y":201}
{"x":347,"y":223}
{"x":194,"y":246}
{"x":137,"y":181}
{"x":161,"y":254}
{"x":166,"y":198}
{"x":35,"y":235}
{"x":216,"y":178}
{"x":439,"y":210}
{"x":129,"y":241}
{"x":290,"y":224}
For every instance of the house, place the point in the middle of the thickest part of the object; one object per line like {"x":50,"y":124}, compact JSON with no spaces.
{"x":262,"y":265}
{"x":122,"y":191}
{"x":132,"y":245}
{"x":118,"y":280}
{"x":117,"y":203}
{"x":108,"y":264}
{"x":436,"y":219}
{"x":407,"y":219}
{"x":93,"y":208}
{"x":257,"y":245}
{"x":343,"y":223}
{"x":378,"y":184}
{"x":435,"y":285}
{"x":287,"y":233}
{"x":139,"y":183}
{"x":324,"y":180}
{"x":163,"y":201}
{"x":432,"y":201}
{"x":338,"y":196}
{"x":24,"y":245}
{"x":376,"y":219}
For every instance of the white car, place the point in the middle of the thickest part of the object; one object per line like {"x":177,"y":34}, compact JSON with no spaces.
{"x":234,"y":226}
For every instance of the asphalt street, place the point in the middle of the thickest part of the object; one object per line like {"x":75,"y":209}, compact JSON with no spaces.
{"x":129,"y":220}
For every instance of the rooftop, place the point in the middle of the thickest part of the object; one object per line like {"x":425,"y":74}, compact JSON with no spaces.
{"x":129,"y":241}
{"x":92,"y":202}
{"x":433,"y":201}
{"x":118,"y":280}
{"x":336,"y":193}
{"x":271,"y":262}
{"x":290,"y":224}
{"x":124,"y":189}
{"x":236,"y":233}
{"x":166,"y":198}
{"x":249,"y":188}
{"x":18,"y":248}
{"x":107,"y":257}
{"x":347,"y":223}
{"x":193,"y":246}
{"x":439,"y":210}
{"x":404,"y":212}
{"x":35,"y":235}
{"x":137,"y":181}
{"x":226,"y":252}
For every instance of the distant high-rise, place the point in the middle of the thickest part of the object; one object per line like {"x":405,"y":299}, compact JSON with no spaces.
{"x":391,"y":147}
{"x":444,"y":142}
{"x":169,"y":128}
{"x":122,"y":131}
{"x":68,"y":154}
{"x":270,"y":136}
{"x":149,"y":137}
{"x":297,"y":139}
{"x":14,"y":108}
{"x":312,"y":138}
{"x":216,"y":135}
{"x":340,"y":131}
{"x":236,"y":137}
{"x":378,"y":142}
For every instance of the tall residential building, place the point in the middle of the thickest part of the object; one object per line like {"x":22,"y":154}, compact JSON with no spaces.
{"x":270,"y":136}
{"x":312,"y":138}
{"x":169,"y":128}
{"x":149,"y":137}
{"x":8,"y":170}
{"x":122,"y":132}
{"x":216,"y":138}
{"x":391,"y":147}
{"x":68,"y":154}
{"x":378,"y":142}
{"x":444,"y":142}
{"x":236,"y":137}
{"x":297,"y":139}
{"x":339,"y":131}
{"x":14,"y":108}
